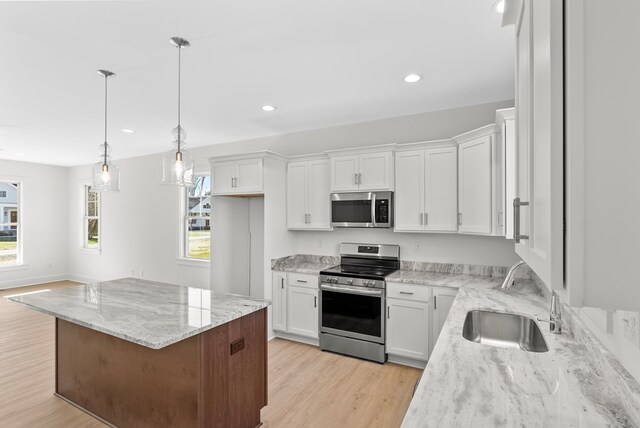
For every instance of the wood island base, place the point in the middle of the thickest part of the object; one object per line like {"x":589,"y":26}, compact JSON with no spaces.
{"x":217,"y":378}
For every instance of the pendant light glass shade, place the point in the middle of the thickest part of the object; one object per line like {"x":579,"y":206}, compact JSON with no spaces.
{"x":105,"y":175}
{"x":177,"y":163}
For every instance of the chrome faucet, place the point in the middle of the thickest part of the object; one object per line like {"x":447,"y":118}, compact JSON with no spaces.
{"x":509,"y":279}
{"x":555,"y":317}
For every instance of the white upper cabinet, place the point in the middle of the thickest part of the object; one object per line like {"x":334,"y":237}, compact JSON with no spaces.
{"x":362,"y":172}
{"x":375,"y":171}
{"x":506,"y":123}
{"x":538,"y":228}
{"x":409,"y":195}
{"x":426,"y":190}
{"x":242,"y":176}
{"x":223,"y":177}
{"x":475,"y":186}
{"x":308,"y":195}
{"x":297,"y":185}
{"x":344,"y":173}
{"x":441,"y":184}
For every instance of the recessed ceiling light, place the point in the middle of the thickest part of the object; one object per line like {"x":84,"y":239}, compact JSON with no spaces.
{"x":19,"y":154}
{"x":269,"y":108}
{"x":128,"y":131}
{"x":412,"y":78}
{"x":498,"y":7}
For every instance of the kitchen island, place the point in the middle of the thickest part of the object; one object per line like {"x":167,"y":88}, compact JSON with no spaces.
{"x":139,"y":353}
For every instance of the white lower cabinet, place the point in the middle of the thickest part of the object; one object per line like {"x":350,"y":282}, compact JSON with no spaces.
{"x":302,"y":311}
{"x":295,"y":304}
{"x":408,"y":328}
{"x":279,"y":301}
{"x":442,"y":300}
{"x":415,"y":316}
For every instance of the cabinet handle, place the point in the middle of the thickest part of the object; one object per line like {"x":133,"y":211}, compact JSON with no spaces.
{"x":236,"y":181}
{"x":435,"y":302}
{"x":359,"y":178}
{"x":388,"y":312}
{"x":500,"y":219}
{"x":232,"y":182}
{"x":309,"y":217}
{"x":426,"y":218}
{"x":282,"y":282}
{"x":406,"y":292}
{"x":315,"y":301}
{"x":516,"y":220}
{"x":302,"y":280}
{"x":355,"y":178}
{"x":459,"y":219}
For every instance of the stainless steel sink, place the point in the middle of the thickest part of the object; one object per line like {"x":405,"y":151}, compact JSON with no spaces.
{"x":504,"y":330}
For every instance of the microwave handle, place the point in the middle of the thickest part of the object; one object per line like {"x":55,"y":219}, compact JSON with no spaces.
{"x":373,"y":209}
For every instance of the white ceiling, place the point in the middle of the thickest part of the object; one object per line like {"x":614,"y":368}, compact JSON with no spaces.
{"x":322,"y":63}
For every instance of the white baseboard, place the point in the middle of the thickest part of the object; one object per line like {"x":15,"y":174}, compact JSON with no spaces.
{"x":406,"y":361}
{"x":83,"y":278}
{"x":296,"y":338}
{"x":33,"y":281}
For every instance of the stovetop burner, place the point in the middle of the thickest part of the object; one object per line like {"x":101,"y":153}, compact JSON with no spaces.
{"x":355,"y":271}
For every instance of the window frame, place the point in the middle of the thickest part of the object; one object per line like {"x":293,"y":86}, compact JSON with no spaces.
{"x":184,"y":220}
{"x":18,"y":224}
{"x":86,"y":218}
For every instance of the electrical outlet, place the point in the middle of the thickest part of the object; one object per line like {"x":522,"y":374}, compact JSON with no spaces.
{"x":630,"y":326}
{"x":418,"y":247}
{"x":320,"y":243}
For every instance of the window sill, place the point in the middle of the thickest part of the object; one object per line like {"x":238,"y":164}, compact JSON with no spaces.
{"x":13,"y":267}
{"x":194,"y":262}
{"x":90,"y":251}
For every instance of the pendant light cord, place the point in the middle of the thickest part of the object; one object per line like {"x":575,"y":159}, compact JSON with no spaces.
{"x":179,"y":78}
{"x":105,"y":119}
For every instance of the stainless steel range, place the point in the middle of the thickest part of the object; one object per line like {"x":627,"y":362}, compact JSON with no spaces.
{"x":352,"y":300}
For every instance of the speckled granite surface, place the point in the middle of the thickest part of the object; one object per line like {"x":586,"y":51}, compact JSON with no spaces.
{"x":462,"y":269}
{"x":151,"y":314}
{"x":304,"y":263}
{"x":467,"y":384}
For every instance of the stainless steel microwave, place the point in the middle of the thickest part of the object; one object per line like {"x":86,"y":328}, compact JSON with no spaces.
{"x":362,"y":209}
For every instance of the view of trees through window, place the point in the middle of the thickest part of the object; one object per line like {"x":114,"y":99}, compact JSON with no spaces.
{"x":91,"y":218}
{"x":198,"y":218}
{"x":9,"y":224}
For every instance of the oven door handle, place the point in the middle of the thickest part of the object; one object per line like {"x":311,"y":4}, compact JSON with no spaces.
{"x":351,"y":290}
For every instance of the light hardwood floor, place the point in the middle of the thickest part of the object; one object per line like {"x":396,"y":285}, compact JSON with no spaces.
{"x":307,"y":387}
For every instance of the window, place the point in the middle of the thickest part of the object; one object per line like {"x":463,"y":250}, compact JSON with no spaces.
{"x":91,"y":225}
{"x":197,"y":219}
{"x":10,"y":251}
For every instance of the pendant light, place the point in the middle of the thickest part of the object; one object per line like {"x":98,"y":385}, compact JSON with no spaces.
{"x":177,"y":164}
{"x":106,"y":176}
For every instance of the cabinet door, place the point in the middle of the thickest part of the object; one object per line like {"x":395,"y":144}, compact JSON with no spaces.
{"x":249,"y":176}
{"x":279,"y":301}
{"x":375,"y":171}
{"x":302,"y":311}
{"x":510,"y":180}
{"x":408,"y":328}
{"x":474,"y":186}
{"x":441,"y":189}
{"x":343,"y":173}
{"x":297,"y":180}
{"x":318,"y":195}
{"x":442,"y":300}
{"x":409,"y":195}
{"x":223,"y":174}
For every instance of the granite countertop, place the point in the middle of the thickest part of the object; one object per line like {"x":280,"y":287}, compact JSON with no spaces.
{"x":469,"y":384}
{"x":148,"y":313}
{"x":304,"y":263}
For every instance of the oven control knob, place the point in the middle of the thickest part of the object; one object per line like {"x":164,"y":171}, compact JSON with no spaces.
{"x":370,"y":283}
{"x":333,"y":279}
{"x":349,"y":281}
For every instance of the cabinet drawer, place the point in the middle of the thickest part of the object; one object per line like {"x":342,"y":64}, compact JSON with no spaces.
{"x":408,"y":291}
{"x":302,"y":280}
